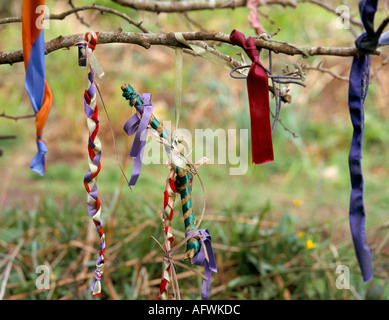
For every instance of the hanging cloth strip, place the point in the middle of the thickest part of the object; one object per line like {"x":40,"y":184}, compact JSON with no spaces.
{"x":35,"y":82}
{"x":199,"y":245}
{"x":94,"y":151}
{"x":168,"y":209}
{"x":258,"y":91}
{"x":139,"y":125}
{"x":183,"y":178}
{"x":206,"y":257}
{"x":358,"y":87}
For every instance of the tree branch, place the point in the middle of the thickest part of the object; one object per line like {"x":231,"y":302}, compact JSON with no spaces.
{"x":7,"y":137}
{"x":16,"y":118}
{"x":75,"y":10}
{"x":146,"y":40}
{"x":185,"y":6}
{"x":325,"y":70}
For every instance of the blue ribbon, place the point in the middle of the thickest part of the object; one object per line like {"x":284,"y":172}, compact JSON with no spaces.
{"x":134,"y":124}
{"x":200,"y":259}
{"x":358,"y":87}
{"x":38,"y":163}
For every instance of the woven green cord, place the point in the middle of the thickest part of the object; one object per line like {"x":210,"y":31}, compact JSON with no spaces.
{"x":193,"y":245}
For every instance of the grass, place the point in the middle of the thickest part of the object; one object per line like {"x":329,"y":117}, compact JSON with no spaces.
{"x":279,"y":231}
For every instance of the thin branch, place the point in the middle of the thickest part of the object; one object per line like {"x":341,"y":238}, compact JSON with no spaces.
{"x":7,"y":137}
{"x":81,"y":19}
{"x":325,"y":70}
{"x":185,"y":6}
{"x":294,"y":135}
{"x":16,"y":118}
{"x":75,"y":10}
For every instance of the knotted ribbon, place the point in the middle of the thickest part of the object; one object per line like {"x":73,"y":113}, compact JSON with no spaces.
{"x":358,"y":87}
{"x":258,"y":92}
{"x":36,"y":84}
{"x":206,"y":257}
{"x":139,"y":125}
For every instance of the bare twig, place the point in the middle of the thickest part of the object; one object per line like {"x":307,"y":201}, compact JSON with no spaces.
{"x":75,"y":11}
{"x":81,"y":19}
{"x":16,"y":118}
{"x":7,"y":137}
{"x":196,"y":5}
{"x":325,"y":70}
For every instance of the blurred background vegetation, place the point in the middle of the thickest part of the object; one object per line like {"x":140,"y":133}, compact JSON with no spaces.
{"x":279,"y":231}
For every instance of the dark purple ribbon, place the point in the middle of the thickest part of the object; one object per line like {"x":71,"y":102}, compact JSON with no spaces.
{"x":200,"y":259}
{"x":358,"y":87}
{"x":134,"y":124}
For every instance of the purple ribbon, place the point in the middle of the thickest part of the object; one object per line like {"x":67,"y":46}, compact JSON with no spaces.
{"x":200,"y":259}
{"x":134,"y":124}
{"x":358,"y":87}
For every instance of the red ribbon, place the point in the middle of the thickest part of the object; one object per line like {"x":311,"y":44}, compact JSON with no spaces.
{"x":258,"y":91}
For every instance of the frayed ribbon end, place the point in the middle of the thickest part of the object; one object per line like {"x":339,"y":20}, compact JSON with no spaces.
{"x":38,"y":163}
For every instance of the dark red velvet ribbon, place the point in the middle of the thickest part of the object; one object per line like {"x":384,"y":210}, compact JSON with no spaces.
{"x":258,"y":91}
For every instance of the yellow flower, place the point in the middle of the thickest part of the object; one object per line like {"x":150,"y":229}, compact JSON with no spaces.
{"x":41,"y":220}
{"x":297,"y":202}
{"x":310,"y":244}
{"x":301,"y":234}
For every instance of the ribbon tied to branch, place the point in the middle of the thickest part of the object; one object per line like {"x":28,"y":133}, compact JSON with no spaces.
{"x":367,"y":42}
{"x":258,"y":92}
{"x":206,"y":257}
{"x":139,"y":126}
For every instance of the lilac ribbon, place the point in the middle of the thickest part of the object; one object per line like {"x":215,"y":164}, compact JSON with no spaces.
{"x":200,"y":258}
{"x":134,"y":124}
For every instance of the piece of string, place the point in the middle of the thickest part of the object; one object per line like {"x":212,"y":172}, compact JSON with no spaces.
{"x":112,"y":133}
{"x":178,"y":66}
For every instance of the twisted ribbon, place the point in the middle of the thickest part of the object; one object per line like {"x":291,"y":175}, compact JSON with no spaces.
{"x":90,"y":178}
{"x":184,"y":187}
{"x":257,"y":87}
{"x":206,"y":257}
{"x":94,"y":156}
{"x":139,"y":125}
{"x":168,"y":209}
{"x":358,"y":88}
{"x":36,"y":84}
